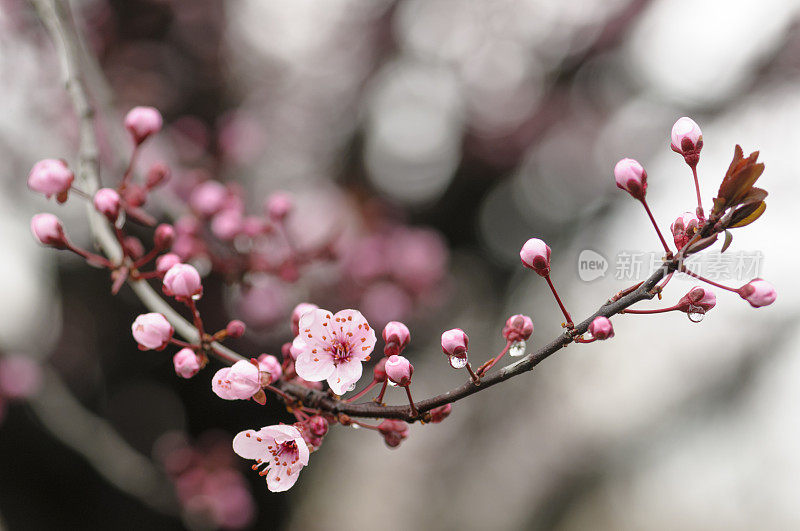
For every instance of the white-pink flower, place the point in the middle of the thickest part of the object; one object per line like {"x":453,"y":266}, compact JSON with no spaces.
{"x":239,"y":382}
{"x":332,"y":347}
{"x":280,"y":449}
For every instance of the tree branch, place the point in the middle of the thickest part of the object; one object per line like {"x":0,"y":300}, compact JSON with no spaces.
{"x":56,"y":17}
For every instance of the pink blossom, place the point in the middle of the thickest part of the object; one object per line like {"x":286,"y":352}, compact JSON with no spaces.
{"x":280,"y":449}
{"x":152,"y":331}
{"x":440,"y":413}
{"x":684,"y":228}
{"x":379,"y":371}
{"x":518,"y":328}
{"x":141,"y":122}
{"x":50,"y":177}
{"x":186,"y":363}
{"x":396,"y":336}
{"x":227,"y":224}
{"x":298,"y":312}
{"x":20,"y":376}
{"x":235,"y":329}
{"x":399,"y":370}
{"x":164,"y":236}
{"x":631,"y":177}
{"x":278,"y":206}
{"x":106,"y":201}
{"x":601,"y":328}
{"x":697,"y":298}
{"x":687,"y":138}
{"x":758,"y":293}
{"x":183,"y":282}
{"x":270,"y":364}
{"x":535,"y":254}
{"x":332,"y":347}
{"x":158,"y":174}
{"x":239,"y":382}
{"x":455,"y":342}
{"x":48,"y":229}
{"x":208,"y":198}
{"x":394,"y":432}
{"x":165,"y":262}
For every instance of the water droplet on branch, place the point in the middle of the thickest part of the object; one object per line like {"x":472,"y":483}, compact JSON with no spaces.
{"x":517,"y":349}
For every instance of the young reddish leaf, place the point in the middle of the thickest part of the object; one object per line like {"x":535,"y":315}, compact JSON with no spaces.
{"x":728,"y":240}
{"x":747,"y":214}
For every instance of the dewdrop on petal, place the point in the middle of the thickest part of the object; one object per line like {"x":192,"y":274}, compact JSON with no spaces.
{"x":454,"y":345}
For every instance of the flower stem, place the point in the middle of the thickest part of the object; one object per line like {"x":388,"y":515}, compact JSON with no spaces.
{"x":379,"y":399}
{"x":560,"y":304}
{"x":362,"y":392}
{"x":707,"y":281}
{"x":658,"y":231}
{"x":414,"y":411}
{"x":491,"y":363}
{"x":475,"y":379}
{"x":700,"y":214}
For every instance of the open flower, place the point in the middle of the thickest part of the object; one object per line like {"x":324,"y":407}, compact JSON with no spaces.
{"x":280,"y":449}
{"x":331,"y":347}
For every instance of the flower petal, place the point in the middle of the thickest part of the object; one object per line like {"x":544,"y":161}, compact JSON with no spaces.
{"x":344,"y":375}
{"x":251,"y":444}
{"x":220,"y":384}
{"x":352,"y":328}
{"x":314,"y":367}
{"x":315,"y":327}
{"x":279,"y":479}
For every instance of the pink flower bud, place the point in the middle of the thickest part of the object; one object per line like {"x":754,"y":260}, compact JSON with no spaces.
{"x":50,"y":177}
{"x":758,"y":293}
{"x":186,"y":363}
{"x":158,"y":174}
{"x":227,"y":224}
{"x":270,"y":364}
{"x":394,"y":432}
{"x":235,"y":329}
{"x":106,"y":201}
{"x":208,"y":198}
{"x":317,"y":425}
{"x":133,"y":247}
{"x":164,"y":236}
{"x":20,"y":376}
{"x":165,"y":262}
{"x":182,"y":281}
{"x":699,"y":299}
{"x":535,"y":254}
{"x":687,"y":140}
{"x":239,"y":382}
{"x":152,"y":331}
{"x":135,"y":195}
{"x":455,"y":342}
{"x":601,"y":328}
{"x":399,"y":370}
{"x":396,"y":336}
{"x":684,"y":228}
{"x":141,"y":122}
{"x":298,"y":312}
{"x":48,"y":230}
{"x":440,"y":413}
{"x":278,"y":206}
{"x":518,"y":328}
{"x":631,"y":177}
{"x":379,"y":372}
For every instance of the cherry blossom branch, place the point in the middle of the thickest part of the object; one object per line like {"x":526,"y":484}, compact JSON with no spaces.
{"x":56,"y":17}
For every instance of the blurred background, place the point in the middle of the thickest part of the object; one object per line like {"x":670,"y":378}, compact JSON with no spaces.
{"x":437,"y":135}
